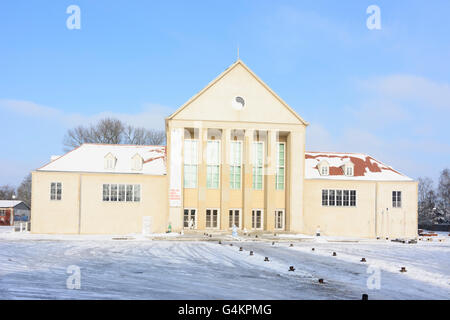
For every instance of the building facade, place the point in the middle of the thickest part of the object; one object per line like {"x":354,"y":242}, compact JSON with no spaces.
{"x":235,"y":155}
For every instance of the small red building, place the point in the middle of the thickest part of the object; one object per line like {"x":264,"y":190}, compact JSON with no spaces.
{"x":13,"y":210}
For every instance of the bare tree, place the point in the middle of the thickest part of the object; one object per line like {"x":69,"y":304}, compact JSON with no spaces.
{"x":156,"y":137}
{"x":24,"y":190}
{"x":6,"y":192}
{"x":444,"y":193}
{"x":112,"y":131}
{"x":108,"y":131}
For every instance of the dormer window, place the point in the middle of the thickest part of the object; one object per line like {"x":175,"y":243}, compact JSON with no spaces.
{"x":136,"y":162}
{"x":110,"y":161}
{"x":324,"y":168}
{"x":348,"y":169}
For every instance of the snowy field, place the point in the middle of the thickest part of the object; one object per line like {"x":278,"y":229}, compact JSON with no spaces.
{"x":36,"y":268}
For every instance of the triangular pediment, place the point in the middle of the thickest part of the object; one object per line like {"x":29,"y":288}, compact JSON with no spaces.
{"x":238,"y":95}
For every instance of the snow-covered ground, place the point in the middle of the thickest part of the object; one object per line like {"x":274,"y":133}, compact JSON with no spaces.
{"x":35,"y":267}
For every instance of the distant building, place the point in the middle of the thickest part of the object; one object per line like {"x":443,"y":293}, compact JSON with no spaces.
{"x":235,"y":155}
{"x":12,"y":211}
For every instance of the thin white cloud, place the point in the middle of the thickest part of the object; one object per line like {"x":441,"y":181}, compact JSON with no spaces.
{"x":410,"y":88}
{"x":151,"y":115}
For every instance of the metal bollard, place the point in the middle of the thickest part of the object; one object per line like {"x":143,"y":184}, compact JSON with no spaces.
{"x":365,"y":296}
{"x":334,"y":254}
{"x":320,"y":280}
{"x":240,"y":249}
{"x":313,"y":249}
{"x":291,"y":268}
{"x":266,"y":259}
{"x":403,"y":269}
{"x":291,"y":245}
{"x":363,"y":260}
{"x":251,"y":253}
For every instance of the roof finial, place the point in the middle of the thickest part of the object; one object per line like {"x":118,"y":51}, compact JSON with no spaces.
{"x":238,"y":52}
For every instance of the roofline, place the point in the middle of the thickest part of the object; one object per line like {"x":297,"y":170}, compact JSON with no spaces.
{"x":367,"y":155}
{"x":362,"y":180}
{"x":122,"y":145}
{"x":100,"y":144}
{"x":103,"y":172}
{"x":224,"y":73}
{"x":19,"y":202}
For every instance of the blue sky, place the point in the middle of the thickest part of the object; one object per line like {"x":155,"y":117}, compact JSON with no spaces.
{"x":382,"y":92}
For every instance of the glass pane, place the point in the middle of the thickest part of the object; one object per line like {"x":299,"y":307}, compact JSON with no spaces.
{"x":106,"y":192}
{"x":129,"y":195}
{"x":114,"y":192}
{"x":137,"y":192}
{"x":121,"y":192}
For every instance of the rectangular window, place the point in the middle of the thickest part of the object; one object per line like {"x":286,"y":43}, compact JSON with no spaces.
{"x":235,"y":164}
{"x":190,"y":163}
{"x":257,"y":219}
{"x":106,"y":192}
{"x":396,"y":199}
{"x":213,"y":164}
{"x":233,"y":218}
{"x":324,"y":197}
{"x":331,"y":197}
{"x":352,"y":198}
{"x":122,"y":192}
{"x":212,"y":218}
{"x":339,"y":198}
{"x":55,"y":191}
{"x":279,"y":219}
{"x":279,"y":183}
{"x":258,"y":162}
{"x":190,"y":218}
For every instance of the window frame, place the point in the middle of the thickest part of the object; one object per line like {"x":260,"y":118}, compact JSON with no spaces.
{"x":254,"y":162}
{"x":234,"y":165}
{"x":189,"y":216}
{"x":212,"y":215}
{"x":192,"y":164}
{"x":339,"y":198}
{"x":54,"y":187}
{"x":396,"y":199}
{"x":283,"y":219}
{"x":209,"y":176}
{"x":239,"y":210}
{"x":278,"y":166}
{"x":135,"y":192}
{"x":254,"y":219}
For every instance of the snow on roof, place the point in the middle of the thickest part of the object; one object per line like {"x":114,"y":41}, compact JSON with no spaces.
{"x":365,"y":167}
{"x":9,"y":203}
{"x":90,"y":157}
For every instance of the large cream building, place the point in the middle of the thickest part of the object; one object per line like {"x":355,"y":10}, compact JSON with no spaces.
{"x":235,"y":155}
